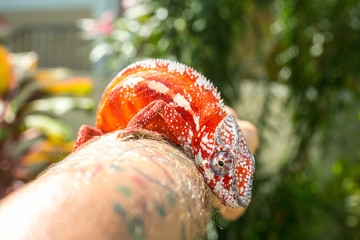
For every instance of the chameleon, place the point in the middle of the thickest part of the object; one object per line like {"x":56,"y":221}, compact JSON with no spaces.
{"x":171,"y":99}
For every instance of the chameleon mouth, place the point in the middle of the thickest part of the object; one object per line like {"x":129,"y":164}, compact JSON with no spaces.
{"x":242,"y":201}
{"x":243,"y":183}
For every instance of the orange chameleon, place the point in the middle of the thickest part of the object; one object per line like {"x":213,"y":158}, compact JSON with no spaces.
{"x":173,"y":100}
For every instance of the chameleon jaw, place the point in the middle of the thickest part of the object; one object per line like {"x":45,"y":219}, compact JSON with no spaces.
{"x":242,"y":201}
{"x":229,"y":197}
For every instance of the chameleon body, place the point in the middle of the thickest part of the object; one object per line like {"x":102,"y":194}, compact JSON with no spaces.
{"x":173,"y":100}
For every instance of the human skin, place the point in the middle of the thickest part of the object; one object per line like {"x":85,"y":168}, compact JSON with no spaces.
{"x":113,"y":188}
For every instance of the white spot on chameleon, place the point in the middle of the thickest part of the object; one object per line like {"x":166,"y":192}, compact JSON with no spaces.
{"x":131,"y":81}
{"x":196,"y":121}
{"x":203,"y":128}
{"x":182,"y":102}
{"x":191,"y":134}
{"x":159,"y":87}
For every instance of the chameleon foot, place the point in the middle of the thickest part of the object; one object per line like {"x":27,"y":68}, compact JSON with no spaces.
{"x":86,"y":133}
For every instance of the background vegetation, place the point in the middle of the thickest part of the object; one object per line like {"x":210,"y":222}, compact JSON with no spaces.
{"x":33,"y":132}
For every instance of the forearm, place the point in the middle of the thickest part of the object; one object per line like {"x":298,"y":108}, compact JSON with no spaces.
{"x":111,"y":189}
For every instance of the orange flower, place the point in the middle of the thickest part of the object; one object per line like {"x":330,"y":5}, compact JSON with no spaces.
{"x":74,"y":85}
{"x":57,"y":81}
{"x":7,"y":75}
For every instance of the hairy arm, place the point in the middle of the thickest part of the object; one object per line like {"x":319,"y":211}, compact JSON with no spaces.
{"x":137,"y":189}
{"x":111,"y":189}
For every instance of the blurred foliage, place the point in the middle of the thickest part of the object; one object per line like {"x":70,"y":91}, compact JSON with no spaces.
{"x":32,"y":133}
{"x":316,"y":57}
{"x":195,"y":33}
{"x":316,"y":193}
{"x":311,"y":48}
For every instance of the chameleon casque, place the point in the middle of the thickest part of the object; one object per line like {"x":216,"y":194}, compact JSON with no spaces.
{"x":172,"y":99}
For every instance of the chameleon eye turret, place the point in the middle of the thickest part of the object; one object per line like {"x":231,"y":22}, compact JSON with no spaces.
{"x":173,"y":100}
{"x":221,"y":163}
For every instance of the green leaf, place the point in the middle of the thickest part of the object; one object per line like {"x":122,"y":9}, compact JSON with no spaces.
{"x":60,"y":105}
{"x":54,"y":129}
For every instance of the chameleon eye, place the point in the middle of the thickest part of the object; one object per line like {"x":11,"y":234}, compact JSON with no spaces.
{"x":221,"y":163}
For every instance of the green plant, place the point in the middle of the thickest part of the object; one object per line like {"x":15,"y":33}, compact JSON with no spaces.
{"x":201,"y":34}
{"x":32,"y":133}
{"x":315,"y":194}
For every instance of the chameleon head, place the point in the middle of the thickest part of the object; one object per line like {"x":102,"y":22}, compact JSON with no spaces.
{"x":230,"y":167}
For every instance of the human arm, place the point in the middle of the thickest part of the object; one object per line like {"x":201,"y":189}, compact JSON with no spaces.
{"x":108,"y":189}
